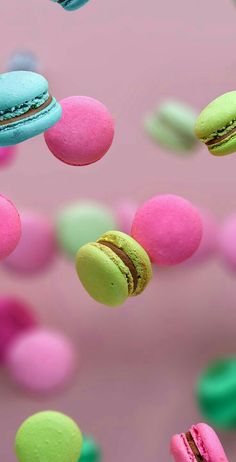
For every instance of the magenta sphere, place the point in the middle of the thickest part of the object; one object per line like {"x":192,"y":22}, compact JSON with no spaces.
{"x":7,"y":155}
{"x":169,"y":228}
{"x":84,"y":134}
{"x":10,"y":227}
{"x":41,"y":360}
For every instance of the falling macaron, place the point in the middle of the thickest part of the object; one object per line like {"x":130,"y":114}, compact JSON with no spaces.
{"x":113,"y":268}
{"x":71,"y":5}
{"x":26,"y":107}
{"x":216,"y":125}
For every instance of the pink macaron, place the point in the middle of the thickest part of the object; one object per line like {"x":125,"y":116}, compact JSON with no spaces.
{"x":7,"y":155}
{"x":125,"y":212}
{"x":84,"y":134}
{"x":36,"y":249}
{"x":199,"y":444}
{"x":15,"y":317}
{"x":227,"y":243}
{"x":209,"y":243}
{"x":10,"y":227}
{"x":169,"y":228}
{"x":41,"y":360}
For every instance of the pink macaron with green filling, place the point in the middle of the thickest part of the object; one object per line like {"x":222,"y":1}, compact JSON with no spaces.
{"x":199,"y":444}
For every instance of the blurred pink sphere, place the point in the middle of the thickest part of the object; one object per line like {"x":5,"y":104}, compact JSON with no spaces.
{"x":41,"y":360}
{"x":10,"y":227}
{"x":125,"y":212}
{"x":227,"y":243}
{"x":7,"y":155}
{"x":36,"y":249}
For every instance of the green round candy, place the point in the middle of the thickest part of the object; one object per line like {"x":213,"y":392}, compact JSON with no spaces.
{"x":80,"y":223}
{"x":90,"y":450}
{"x":216,"y":393}
{"x":48,"y":437}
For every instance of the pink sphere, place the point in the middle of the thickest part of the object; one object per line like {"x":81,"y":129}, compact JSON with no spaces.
{"x":41,"y":360}
{"x":169,"y":228}
{"x":10,"y":227}
{"x":7,"y":155}
{"x":125,"y":212}
{"x":15,"y":317}
{"x":227,"y":242}
{"x":36,"y":249}
{"x":209,"y":242}
{"x":84,"y":134}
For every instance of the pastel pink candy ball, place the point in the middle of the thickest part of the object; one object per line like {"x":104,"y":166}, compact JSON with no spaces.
{"x":84,"y":134}
{"x":15,"y":317}
{"x":125,"y":212}
{"x":7,"y":155}
{"x":169,"y":228}
{"x":209,"y":242}
{"x":10,"y":227}
{"x":41,"y":360}
{"x":227,"y":242}
{"x":36,"y":249}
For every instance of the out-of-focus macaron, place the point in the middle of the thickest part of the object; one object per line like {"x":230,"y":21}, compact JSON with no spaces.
{"x":172,"y":126}
{"x":7,"y":155}
{"x":71,"y":5}
{"x":199,"y":444}
{"x":26,"y":107}
{"x":227,"y":243}
{"x":169,"y":228}
{"x":84,"y":134}
{"x":210,"y":237}
{"x":22,"y":60}
{"x":81,"y":222}
{"x":41,"y":360}
{"x":48,"y":436}
{"x":36,"y":249}
{"x":113,"y":268}
{"x":16,"y":317}
{"x":90,"y":450}
{"x":216,"y":391}
{"x":125,"y":213}
{"x":10,"y":228}
{"x":216,"y":125}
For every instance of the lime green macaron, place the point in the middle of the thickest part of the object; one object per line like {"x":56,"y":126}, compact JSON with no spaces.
{"x":113,"y":268}
{"x":48,"y":437}
{"x":216,"y":125}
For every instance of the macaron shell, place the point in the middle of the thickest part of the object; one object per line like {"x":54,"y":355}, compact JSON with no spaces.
{"x":180,"y":450}
{"x":26,"y":128}
{"x":17,"y":87}
{"x":225,"y":148}
{"x":208,"y":441}
{"x":165,"y":135}
{"x":48,"y":437}
{"x":216,"y":115}
{"x":75,"y":4}
{"x":136,"y":253}
{"x":102,"y":274}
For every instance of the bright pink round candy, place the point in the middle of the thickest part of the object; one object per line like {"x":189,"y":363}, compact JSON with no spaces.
{"x":7,"y":155}
{"x":84,"y":134}
{"x":125,"y":212}
{"x":169,"y":228}
{"x":15,"y":317}
{"x":41,"y":360}
{"x":227,"y":242}
{"x":10,"y":227}
{"x":209,"y":242}
{"x":36,"y":248}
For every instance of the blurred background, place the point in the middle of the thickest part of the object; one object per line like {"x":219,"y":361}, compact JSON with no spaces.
{"x":139,"y":362}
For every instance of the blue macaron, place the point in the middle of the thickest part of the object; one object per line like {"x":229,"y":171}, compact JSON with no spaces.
{"x":26,"y":107}
{"x":71,"y":5}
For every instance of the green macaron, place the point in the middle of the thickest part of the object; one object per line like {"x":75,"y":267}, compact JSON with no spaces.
{"x":171,"y":125}
{"x":216,"y":393}
{"x":216,"y":125}
{"x":113,"y":268}
{"x":48,"y":437}
{"x":90,"y":450}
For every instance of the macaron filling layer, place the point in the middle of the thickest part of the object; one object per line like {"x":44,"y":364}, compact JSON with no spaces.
{"x":220,"y":135}
{"x":125,"y":259}
{"x":194,"y":448}
{"x":25,"y":110}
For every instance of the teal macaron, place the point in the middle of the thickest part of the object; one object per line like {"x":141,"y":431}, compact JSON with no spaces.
{"x":216,"y":393}
{"x":113,"y":268}
{"x":216,"y":125}
{"x":26,"y":107}
{"x":71,"y":5}
{"x":81,"y":222}
{"x":171,"y":125}
{"x":48,"y":436}
{"x":90,"y":450}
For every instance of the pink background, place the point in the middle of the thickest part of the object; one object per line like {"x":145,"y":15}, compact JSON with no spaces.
{"x":140,"y":361}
